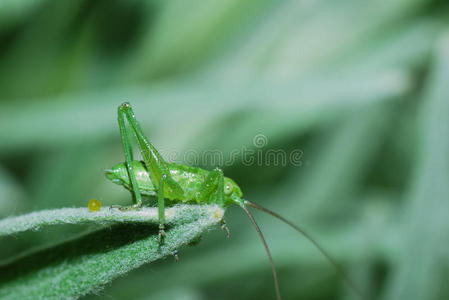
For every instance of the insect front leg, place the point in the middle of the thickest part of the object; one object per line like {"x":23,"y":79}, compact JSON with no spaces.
{"x":225,"y":228}
{"x":212,"y":191}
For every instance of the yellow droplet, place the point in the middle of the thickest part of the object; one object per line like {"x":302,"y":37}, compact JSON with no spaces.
{"x":94,"y":205}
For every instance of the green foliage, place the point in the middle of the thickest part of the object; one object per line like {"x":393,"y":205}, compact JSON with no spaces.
{"x":430,"y":193}
{"x":85,"y":264}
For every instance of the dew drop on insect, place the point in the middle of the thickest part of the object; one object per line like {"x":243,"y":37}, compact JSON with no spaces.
{"x":94,"y":205}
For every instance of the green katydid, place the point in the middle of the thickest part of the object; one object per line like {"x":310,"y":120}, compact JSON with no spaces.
{"x":181,"y":183}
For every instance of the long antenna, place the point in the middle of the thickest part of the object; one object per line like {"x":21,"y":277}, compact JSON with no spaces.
{"x":315,"y":243}
{"x":273,"y":268}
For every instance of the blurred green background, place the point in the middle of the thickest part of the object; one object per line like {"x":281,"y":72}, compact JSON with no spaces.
{"x":360,"y":87}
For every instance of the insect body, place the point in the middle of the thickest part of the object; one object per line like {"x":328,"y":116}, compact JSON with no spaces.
{"x":190,"y":179}
{"x":179,"y":183}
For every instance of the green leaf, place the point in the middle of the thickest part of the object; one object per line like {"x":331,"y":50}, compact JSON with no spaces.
{"x":85,"y":264}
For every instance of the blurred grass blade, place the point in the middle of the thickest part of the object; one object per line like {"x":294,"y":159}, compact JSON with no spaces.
{"x":11,"y":193}
{"x":420,"y":269}
{"x":13,"y":11}
{"x":344,"y":161}
{"x":82,"y":265}
{"x":81,"y":117}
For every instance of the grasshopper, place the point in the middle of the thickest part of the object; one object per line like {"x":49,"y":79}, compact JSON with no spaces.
{"x":181,"y":183}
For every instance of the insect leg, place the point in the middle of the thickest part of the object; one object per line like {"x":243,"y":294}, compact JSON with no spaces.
{"x":158,"y":169}
{"x":212,"y":186}
{"x":127,"y":147}
{"x":153,"y":160}
{"x":175,"y":255}
{"x":161,"y":209}
{"x":214,"y":183}
{"x":225,"y":228}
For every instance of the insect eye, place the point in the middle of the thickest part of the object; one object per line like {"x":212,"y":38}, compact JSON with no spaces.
{"x":227,"y":189}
